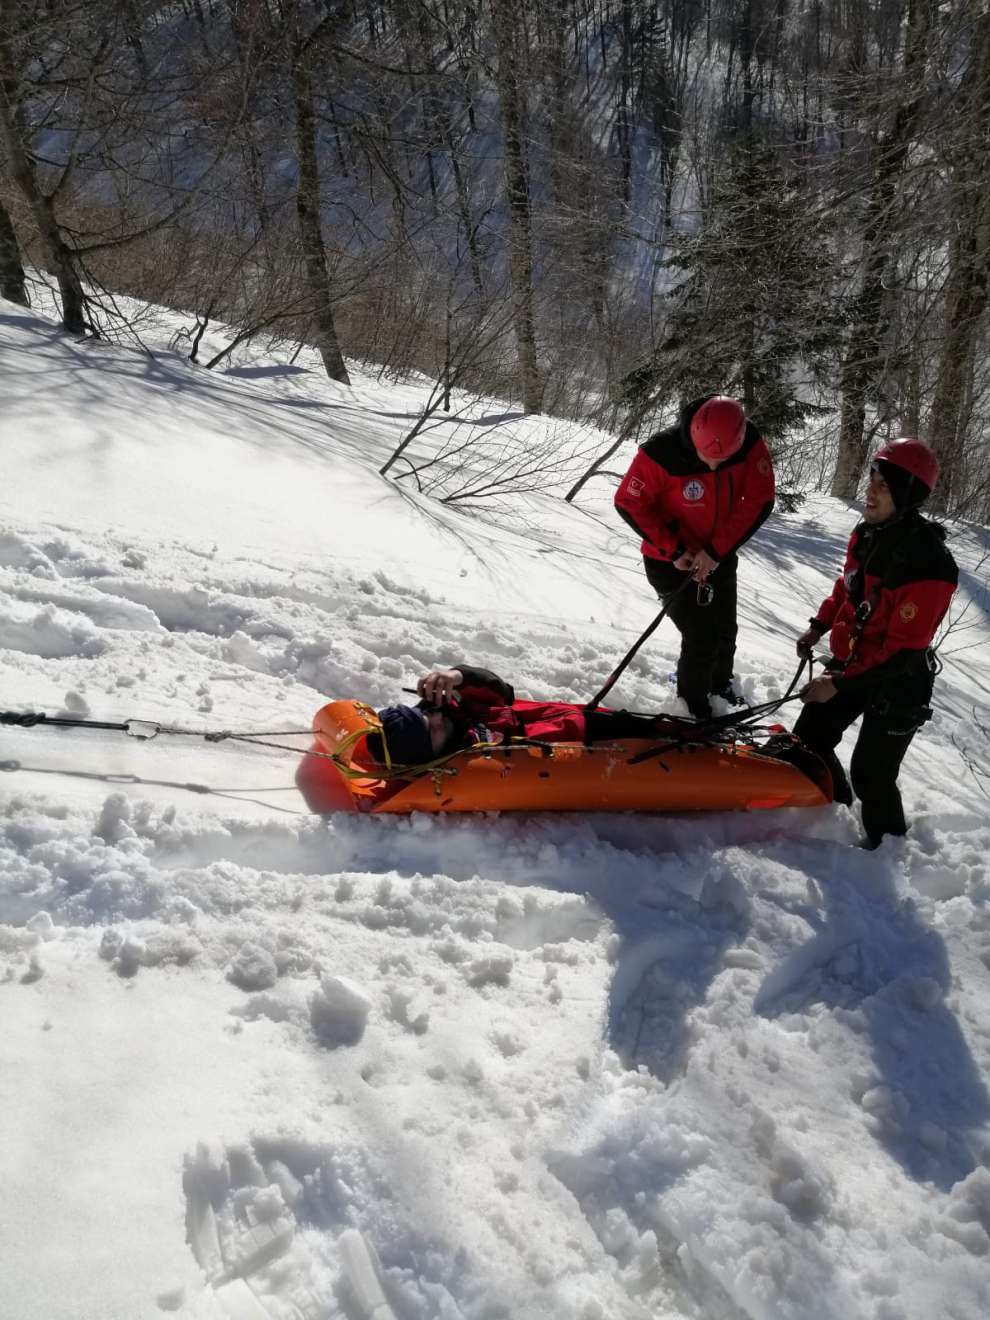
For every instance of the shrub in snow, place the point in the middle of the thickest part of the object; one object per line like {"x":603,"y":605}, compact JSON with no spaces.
{"x":252,"y":968}
{"x":338,"y":1011}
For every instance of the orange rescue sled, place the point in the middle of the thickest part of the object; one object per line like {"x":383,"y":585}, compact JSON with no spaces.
{"x":681,"y":776}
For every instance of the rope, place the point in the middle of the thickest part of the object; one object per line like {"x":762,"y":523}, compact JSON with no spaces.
{"x":711,"y":731}
{"x":644,"y":636}
{"x":140,"y":728}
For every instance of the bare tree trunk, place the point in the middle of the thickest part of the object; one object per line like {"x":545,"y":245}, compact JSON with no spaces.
{"x":966,"y":291}
{"x":508,"y":77}
{"x":59,"y":256}
{"x":13,"y":284}
{"x":437,"y":115}
{"x":863,"y":345}
{"x":308,"y":211}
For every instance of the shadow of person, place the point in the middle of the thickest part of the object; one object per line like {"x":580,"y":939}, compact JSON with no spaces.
{"x":664,"y":968}
{"x":885,"y":974}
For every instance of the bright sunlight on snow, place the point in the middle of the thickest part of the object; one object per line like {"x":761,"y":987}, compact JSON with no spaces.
{"x":259,"y":1065}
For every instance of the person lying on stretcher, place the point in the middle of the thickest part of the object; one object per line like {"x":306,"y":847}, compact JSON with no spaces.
{"x":463,"y":707}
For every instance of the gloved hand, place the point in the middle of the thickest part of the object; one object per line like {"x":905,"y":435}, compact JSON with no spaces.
{"x":807,"y":641}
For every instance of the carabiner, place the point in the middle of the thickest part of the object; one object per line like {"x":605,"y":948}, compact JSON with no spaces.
{"x":706,"y":594}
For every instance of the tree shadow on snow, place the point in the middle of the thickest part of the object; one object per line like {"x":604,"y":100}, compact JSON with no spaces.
{"x":261,"y":373}
{"x":874,"y":959}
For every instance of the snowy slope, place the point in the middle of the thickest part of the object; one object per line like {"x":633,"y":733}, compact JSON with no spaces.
{"x":609,"y":1067}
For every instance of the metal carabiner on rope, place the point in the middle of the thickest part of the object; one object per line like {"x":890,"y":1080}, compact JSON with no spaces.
{"x":705,"y":594}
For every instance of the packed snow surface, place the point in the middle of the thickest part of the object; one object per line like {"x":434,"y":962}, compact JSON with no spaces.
{"x":258,"y":1065}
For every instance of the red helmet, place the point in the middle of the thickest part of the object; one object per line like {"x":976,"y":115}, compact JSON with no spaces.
{"x":718,"y":428}
{"x":914,"y":457}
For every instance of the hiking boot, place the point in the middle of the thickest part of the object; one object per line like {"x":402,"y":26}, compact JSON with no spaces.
{"x":699,"y":710}
{"x":730,"y":695}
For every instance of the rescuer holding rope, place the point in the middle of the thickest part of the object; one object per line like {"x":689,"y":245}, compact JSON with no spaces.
{"x":881,"y":617}
{"x":695,"y":493}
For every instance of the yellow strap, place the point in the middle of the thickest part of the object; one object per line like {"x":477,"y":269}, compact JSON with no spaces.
{"x":439,"y":765}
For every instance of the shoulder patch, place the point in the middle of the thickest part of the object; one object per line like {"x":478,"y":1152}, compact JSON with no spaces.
{"x":635,"y":487}
{"x":908,"y":611}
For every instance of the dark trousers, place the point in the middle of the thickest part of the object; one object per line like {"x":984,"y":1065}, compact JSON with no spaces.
{"x":883,"y":739}
{"x":708,"y":632}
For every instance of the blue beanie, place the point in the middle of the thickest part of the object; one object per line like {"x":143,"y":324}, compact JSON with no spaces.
{"x":407,"y":735}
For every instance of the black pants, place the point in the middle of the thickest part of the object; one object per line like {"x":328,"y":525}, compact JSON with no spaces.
{"x":604,"y":725}
{"x":884,"y":737}
{"x":708,"y":632}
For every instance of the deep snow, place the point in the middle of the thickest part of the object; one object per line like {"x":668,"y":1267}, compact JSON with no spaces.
{"x":624,"y":1067}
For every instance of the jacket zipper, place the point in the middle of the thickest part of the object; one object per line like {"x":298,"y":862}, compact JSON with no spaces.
{"x":715,"y":512}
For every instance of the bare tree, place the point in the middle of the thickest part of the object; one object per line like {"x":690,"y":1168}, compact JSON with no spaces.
{"x":18,"y":38}
{"x":966,"y":290}
{"x":477,"y":332}
{"x":13,"y":282}
{"x":303,"y":49}
{"x":899,"y":112}
{"x":509,"y":76}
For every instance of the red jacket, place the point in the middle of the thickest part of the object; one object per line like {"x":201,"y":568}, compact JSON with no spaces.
{"x":676,"y":503}
{"x":486,"y":706}
{"x":900,"y":577}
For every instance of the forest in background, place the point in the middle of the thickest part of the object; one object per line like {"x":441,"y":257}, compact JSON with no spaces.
{"x":598,"y":208}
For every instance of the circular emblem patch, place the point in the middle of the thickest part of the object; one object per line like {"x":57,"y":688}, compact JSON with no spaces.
{"x":909,"y":611}
{"x":694,"y":490}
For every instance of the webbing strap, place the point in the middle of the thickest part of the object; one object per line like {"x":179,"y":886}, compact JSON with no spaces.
{"x":644,"y":636}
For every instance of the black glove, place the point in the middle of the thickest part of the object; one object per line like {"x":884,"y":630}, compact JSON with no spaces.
{"x":806,"y":643}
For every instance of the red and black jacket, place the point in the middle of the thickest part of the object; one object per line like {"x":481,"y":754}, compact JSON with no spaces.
{"x":675,"y":502}
{"x":885,"y":609}
{"x":486,"y":710}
